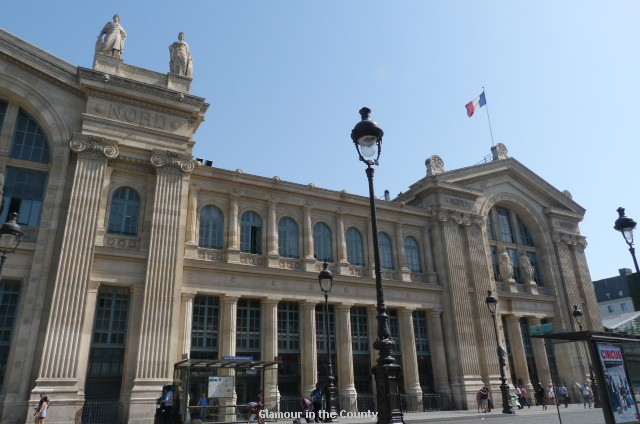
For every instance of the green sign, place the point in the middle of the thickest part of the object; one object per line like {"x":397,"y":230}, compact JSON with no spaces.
{"x":537,"y":330}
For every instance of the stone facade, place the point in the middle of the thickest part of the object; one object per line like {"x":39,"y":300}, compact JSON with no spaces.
{"x":118,"y":136}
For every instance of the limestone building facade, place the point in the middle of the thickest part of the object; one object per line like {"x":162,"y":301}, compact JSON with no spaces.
{"x":136,"y":255}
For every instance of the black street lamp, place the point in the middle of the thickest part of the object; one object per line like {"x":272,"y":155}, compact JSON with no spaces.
{"x":367,"y":138}
{"x":578,"y":316}
{"x":9,"y":228}
{"x":626,"y":226}
{"x":325,"y":278}
{"x":507,"y":406}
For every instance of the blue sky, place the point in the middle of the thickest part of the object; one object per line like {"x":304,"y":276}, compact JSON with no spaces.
{"x":285,"y":80}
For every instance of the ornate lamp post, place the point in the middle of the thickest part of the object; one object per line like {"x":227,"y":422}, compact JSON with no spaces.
{"x":14,"y":233}
{"x":507,"y":406}
{"x":626,"y":226}
{"x":578,"y":316}
{"x":367,"y":138}
{"x":325,"y":278}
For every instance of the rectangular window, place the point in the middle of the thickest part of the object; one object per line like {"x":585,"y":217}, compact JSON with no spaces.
{"x":9,"y":297}
{"x":205,"y":327}
{"x":248,"y":326}
{"x":24,"y":194}
{"x":109,"y":333}
{"x":288,"y":328}
{"x":505,"y":226}
{"x":359,"y":330}
{"x":321,"y":339}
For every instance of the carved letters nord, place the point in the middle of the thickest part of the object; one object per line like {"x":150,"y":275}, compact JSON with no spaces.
{"x":133,"y":115}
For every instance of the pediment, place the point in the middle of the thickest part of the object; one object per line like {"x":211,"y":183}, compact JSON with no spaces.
{"x":505,"y":177}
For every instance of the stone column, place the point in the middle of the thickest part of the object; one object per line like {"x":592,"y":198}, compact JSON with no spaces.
{"x":309,"y":259}
{"x":229,"y":316}
{"x":270,"y":351}
{"x":438,"y":353}
{"x":273,"y":256}
{"x":430,"y":270}
{"x":409,"y":354}
{"x":102,"y":212}
{"x":233,"y":247}
{"x":344,"y":367}
{"x":405,"y":272}
{"x":308,"y":347}
{"x":157,"y":351}
{"x":342,"y":261}
{"x":191,"y":245}
{"x":540,"y":356}
{"x":60,"y":357}
{"x":186,"y":321}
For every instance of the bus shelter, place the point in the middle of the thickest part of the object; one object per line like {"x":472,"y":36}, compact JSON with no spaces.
{"x":196,"y":377}
{"x":614,"y":367}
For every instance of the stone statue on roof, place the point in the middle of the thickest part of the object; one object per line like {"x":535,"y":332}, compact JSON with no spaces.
{"x":180,"y":57}
{"x":111,"y":39}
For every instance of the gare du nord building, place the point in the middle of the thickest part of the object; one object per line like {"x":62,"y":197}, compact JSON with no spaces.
{"x":136,"y":255}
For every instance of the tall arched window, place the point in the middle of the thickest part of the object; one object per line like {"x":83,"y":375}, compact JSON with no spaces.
{"x":251,"y":233}
{"x":288,"y":242}
{"x":125,"y":212}
{"x":412,"y":251}
{"x":322,"y":242}
{"x":355,"y":250}
{"x":386,"y":251}
{"x":211,"y":228}
{"x":507,"y":232}
{"x":24,"y":188}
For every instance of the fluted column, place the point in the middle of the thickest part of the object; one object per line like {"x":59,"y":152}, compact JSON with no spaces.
{"x":438,"y":353}
{"x":186,"y":318}
{"x":402,"y":256}
{"x":518,"y":352}
{"x":347,"y":387}
{"x":540,"y":356}
{"x":308,"y":347}
{"x":409,"y":353}
{"x":270,"y":350}
{"x":61,"y":341}
{"x":430,"y":269}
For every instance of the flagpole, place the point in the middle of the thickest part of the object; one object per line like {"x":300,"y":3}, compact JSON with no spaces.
{"x":486,"y":106}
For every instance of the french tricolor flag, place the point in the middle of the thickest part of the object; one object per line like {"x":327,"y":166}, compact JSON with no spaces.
{"x":475,"y":104}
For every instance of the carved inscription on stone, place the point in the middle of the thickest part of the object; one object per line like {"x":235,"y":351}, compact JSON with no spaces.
{"x":565,"y":225}
{"x":460,"y":203}
{"x":136,"y":116}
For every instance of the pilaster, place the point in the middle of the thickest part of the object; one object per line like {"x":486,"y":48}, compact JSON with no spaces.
{"x":192,"y":236}
{"x":270,"y":351}
{"x":402,"y":256}
{"x":186,"y":321}
{"x":342,"y":262}
{"x":233,"y":249}
{"x":58,"y":374}
{"x":540,"y":356}
{"x":438,"y":353}
{"x":518,"y":352}
{"x":160,"y":324}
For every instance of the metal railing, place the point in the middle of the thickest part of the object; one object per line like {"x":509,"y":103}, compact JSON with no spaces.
{"x":100,"y":411}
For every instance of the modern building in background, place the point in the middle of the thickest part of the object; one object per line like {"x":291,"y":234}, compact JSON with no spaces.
{"x":136,"y":255}
{"x":615,"y":297}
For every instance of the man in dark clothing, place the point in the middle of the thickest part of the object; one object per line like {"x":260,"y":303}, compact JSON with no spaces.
{"x":316,"y":398}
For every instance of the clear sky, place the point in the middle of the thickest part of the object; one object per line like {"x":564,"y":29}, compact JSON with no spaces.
{"x":285,"y":80}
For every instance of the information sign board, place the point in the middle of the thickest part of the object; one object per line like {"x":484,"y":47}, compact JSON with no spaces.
{"x":221,"y":387}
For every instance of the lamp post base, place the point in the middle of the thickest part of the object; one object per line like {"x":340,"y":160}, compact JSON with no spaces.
{"x":388,"y":392}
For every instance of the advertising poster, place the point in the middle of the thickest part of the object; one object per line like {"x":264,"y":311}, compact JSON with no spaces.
{"x":221,"y":387}
{"x":616,"y":384}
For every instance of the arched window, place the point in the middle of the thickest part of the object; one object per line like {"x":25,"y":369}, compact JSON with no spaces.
{"x":386,"y":251}
{"x":355,"y":250}
{"x":211,"y":228}
{"x":288,"y":242}
{"x":125,"y":212}
{"x":507,"y":232}
{"x":251,"y":233}
{"x":24,"y":188}
{"x":322,"y":242}
{"x":29,"y":140}
{"x":412,"y":251}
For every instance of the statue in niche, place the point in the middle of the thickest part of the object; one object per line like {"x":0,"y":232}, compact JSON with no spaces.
{"x":111,"y":38}
{"x":180,"y":58}
{"x":527,"y":269}
{"x":506,"y":267}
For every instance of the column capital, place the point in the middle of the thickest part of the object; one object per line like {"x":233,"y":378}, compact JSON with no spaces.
{"x":405,"y":312}
{"x":342,"y":306}
{"x":172,"y":160}
{"x":270,"y":301}
{"x":187,"y":296}
{"x":96,"y":147}
{"x":229,"y":299}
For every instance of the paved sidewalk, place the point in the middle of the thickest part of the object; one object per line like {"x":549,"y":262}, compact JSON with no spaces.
{"x":574,"y":414}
